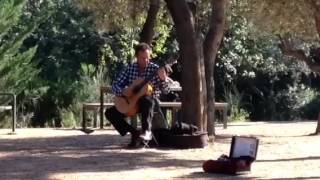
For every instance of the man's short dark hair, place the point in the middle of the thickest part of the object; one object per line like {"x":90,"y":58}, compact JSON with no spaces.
{"x":141,"y":47}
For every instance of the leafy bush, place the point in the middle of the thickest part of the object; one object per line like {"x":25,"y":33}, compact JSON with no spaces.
{"x":272,"y":87}
{"x":66,"y":40}
{"x":17,"y":71}
{"x":310,"y":110}
{"x":235,"y":101}
{"x":92,"y":79}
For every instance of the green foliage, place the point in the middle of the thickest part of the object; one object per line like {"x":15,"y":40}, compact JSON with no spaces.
{"x":113,"y":15}
{"x":290,"y":94}
{"x":163,"y":30}
{"x":10,"y":12}
{"x":81,"y":45}
{"x":235,"y":101}
{"x":16,"y":71}
{"x":65,"y":40}
{"x":118,"y":50}
{"x":69,"y":119}
{"x":6,"y":120}
{"x":92,"y":79}
{"x":72,"y":67}
{"x":272,"y":87}
{"x":311,"y":108}
{"x":126,"y":18}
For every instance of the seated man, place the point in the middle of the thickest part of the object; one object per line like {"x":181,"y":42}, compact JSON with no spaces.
{"x":142,"y":68}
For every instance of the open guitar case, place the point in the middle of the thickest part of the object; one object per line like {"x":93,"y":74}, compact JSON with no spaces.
{"x":180,"y":135}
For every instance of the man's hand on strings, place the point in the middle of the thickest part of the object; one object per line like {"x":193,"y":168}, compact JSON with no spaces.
{"x":162,"y":74}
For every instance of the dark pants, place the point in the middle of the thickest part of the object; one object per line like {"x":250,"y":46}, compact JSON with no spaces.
{"x":146,"y":106}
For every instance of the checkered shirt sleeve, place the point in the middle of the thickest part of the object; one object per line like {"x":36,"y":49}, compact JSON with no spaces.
{"x":130,"y":74}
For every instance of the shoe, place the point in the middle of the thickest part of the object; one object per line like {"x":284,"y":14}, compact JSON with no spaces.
{"x":132,"y":144}
{"x":87,"y":131}
{"x":146,"y":136}
{"x":135,"y":135}
{"x":136,"y":144}
{"x":134,"y":139}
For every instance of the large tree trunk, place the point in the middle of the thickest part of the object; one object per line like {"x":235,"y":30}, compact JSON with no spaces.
{"x":203,"y":88}
{"x":147,"y":32}
{"x":317,"y":21}
{"x":318,"y":126}
{"x":210,"y":49}
{"x":191,"y":85}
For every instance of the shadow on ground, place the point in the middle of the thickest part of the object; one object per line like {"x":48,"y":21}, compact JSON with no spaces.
{"x":290,"y":159}
{"x":39,"y":158}
{"x":203,"y":175}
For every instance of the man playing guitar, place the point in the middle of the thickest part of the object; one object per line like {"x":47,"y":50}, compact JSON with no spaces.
{"x":139,"y":70}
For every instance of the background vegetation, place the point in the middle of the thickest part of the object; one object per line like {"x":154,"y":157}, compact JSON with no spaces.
{"x":56,"y":55}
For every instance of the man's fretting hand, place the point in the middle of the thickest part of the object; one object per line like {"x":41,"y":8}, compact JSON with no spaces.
{"x":162,"y":74}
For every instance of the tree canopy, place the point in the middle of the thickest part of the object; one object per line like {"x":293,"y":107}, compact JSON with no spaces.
{"x":63,"y":50}
{"x":116,"y":14}
{"x":282,"y":16}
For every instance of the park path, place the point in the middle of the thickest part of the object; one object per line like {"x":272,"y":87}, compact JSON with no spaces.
{"x":285,"y":151}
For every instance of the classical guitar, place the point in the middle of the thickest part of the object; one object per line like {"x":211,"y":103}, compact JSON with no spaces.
{"x":139,"y":88}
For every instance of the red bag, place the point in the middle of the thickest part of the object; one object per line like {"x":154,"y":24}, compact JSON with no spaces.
{"x":228,"y":166}
{"x":242,"y":153}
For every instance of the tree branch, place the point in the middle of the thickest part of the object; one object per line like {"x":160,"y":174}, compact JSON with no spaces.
{"x":183,"y":19}
{"x":288,"y":50}
{"x":316,"y":5}
{"x":147,"y":32}
{"x":317,"y":20}
{"x":216,"y":30}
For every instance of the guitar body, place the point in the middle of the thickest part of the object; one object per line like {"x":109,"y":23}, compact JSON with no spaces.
{"x":129,"y":105}
{"x":139,"y":88}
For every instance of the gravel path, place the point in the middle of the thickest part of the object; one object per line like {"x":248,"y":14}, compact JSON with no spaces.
{"x":285,"y":151}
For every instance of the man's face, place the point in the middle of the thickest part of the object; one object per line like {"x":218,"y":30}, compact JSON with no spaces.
{"x":143,"y":58}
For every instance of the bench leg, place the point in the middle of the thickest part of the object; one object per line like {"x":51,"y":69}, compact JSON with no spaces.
{"x":95,"y":118}
{"x":101,"y":108}
{"x":14,"y":113}
{"x":83,"y":118}
{"x":225,"y":118}
{"x":134,"y":121}
{"x":174,"y":116}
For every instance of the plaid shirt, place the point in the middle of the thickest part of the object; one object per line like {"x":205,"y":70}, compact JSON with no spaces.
{"x":130,"y":74}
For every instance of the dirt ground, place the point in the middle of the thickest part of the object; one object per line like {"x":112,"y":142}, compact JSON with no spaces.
{"x":285,"y":151}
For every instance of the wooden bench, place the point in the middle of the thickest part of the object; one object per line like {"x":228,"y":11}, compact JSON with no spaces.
{"x":99,"y":107}
{"x":222,"y":107}
{"x":2,"y":108}
{"x":12,"y":107}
